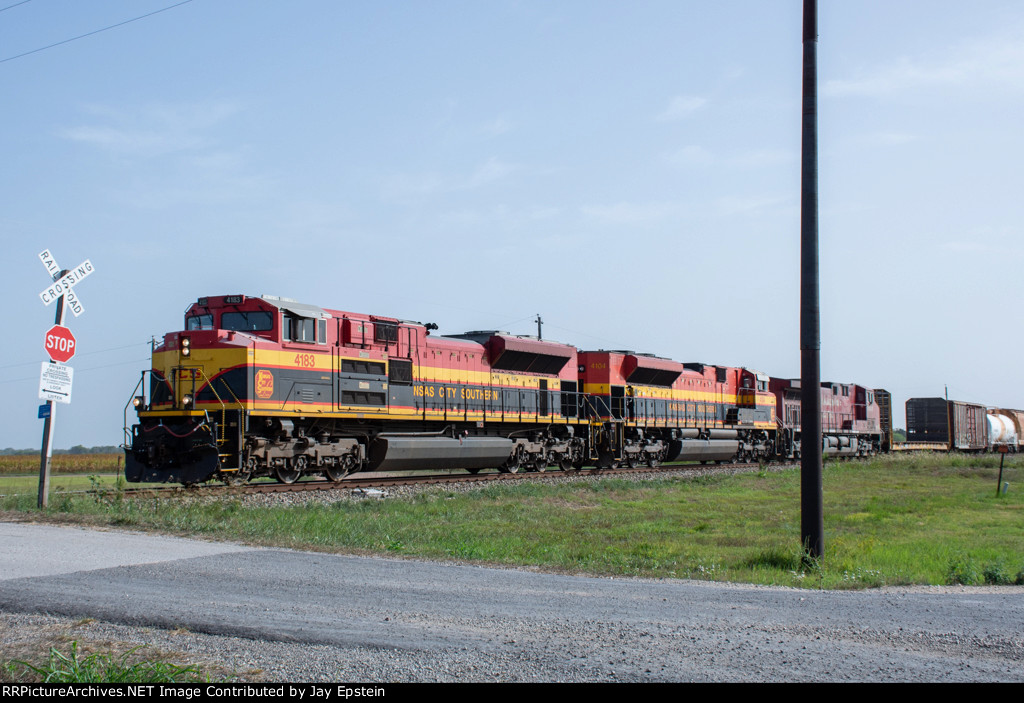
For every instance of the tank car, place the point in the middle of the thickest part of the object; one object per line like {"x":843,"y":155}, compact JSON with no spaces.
{"x":1005,"y":427}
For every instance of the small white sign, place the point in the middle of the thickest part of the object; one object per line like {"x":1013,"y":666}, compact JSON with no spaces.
{"x":55,"y":382}
{"x":61,"y":287}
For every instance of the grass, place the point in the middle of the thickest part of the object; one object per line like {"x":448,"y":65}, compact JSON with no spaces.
{"x":59,"y":483}
{"x":924,"y":519}
{"x":102,"y":667}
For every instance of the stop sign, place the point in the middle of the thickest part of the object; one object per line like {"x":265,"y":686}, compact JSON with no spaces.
{"x":60,"y":344}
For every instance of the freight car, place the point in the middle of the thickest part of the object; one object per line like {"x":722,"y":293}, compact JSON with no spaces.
{"x":272,"y":387}
{"x":1006,"y":427}
{"x":946,"y":425}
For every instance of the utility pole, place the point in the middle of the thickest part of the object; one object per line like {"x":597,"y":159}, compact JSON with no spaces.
{"x":539,"y":322}
{"x":812,"y":520}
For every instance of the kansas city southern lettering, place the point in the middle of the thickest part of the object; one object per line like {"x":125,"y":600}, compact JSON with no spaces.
{"x":463,"y":393}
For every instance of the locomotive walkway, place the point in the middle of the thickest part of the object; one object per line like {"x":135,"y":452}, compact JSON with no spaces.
{"x":307,"y":616}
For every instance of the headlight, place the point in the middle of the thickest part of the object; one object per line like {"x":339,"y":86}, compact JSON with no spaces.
{"x":186,"y":343}
{"x":186,"y":400}
{"x":139,"y":402}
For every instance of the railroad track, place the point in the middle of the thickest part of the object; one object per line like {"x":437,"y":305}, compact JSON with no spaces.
{"x":364,"y":481}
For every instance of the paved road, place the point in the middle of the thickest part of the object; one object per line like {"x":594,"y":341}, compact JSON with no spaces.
{"x":389,"y":619}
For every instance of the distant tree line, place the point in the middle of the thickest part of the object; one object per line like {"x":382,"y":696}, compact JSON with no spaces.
{"x":77,"y":449}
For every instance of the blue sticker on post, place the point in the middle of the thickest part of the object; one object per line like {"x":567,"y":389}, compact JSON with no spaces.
{"x":44,"y":411}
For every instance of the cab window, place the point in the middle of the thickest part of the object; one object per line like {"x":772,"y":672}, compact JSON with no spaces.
{"x":256,"y":321}
{"x":199,"y":322}
{"x":305,"y":329}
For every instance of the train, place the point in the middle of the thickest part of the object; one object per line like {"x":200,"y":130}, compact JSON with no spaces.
{"x":940,"y":424}
{"x":270,"y":387}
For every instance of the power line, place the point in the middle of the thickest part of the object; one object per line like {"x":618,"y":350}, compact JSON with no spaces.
{"x":89,"y":34}
{"x":2,"y":9}
{"x":79,"y":371}
{"x":79,"y":354}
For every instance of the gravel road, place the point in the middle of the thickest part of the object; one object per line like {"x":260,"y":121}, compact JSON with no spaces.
{"x":280,"y":615}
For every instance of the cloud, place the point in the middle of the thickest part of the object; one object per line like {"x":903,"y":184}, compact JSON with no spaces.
{"x":967,"y":247}
{"x":413,"y":186}
{"x":500,"y":216}
{"x":734,"y":205}
{"x":691,"y":155}
{"x":496,"y":127}
{"x":996,"y":243}
{"x":888,"y":138}
{"x":632,"y":214}
{"x":696,"y":155}
{"x":153,"y":130}
{"x":490,"y":171}
{"x":998,"y":59}
{"x":178,"y":154}
{"x":680,"y":107}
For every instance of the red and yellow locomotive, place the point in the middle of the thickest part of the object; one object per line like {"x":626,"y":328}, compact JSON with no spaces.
{"x":271,"y":387}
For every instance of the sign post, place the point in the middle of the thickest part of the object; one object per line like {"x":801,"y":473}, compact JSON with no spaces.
{"x":46,"y":451}
{"x":1002,"y":449}
{"x":55,"y":378}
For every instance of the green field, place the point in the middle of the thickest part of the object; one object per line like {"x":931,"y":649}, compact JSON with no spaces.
{"x":894,"y":520}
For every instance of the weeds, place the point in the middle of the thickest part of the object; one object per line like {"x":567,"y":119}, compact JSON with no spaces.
{"x":964,"y":570}
{"x":105,"y":494}
{"x":98,"y":667}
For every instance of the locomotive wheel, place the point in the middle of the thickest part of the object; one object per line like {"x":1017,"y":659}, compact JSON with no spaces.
{"x":517,"y":459}
{"x":631,"y":461}
{"x":565,"y":463}
{"x":336,"y":472}
{"x":283,"y":474}
{"x":540,"y":463}
{"x":473,"y":471}
{"x":652,"y":460}
{"x":511,"y":466}
{"x":286,"y":473}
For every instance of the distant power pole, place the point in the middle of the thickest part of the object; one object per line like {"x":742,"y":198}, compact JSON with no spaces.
{"x":812,"y":519}
{"x":539,"y":323}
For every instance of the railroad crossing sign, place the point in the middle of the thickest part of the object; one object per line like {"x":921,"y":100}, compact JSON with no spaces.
{"x":55,"y":378}
{"x":62,"y":284}
{"x":60,"y":344}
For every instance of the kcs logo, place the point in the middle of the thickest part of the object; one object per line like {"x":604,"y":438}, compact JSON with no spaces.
{"x":264,"y":384}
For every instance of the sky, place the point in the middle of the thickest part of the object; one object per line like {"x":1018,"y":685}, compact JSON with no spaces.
{"x":629,"y":171}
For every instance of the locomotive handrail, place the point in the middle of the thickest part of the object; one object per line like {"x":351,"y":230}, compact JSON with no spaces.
{"x":447,"y":429}
{"x":131,"y":399}
{"x":209,"y":383}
